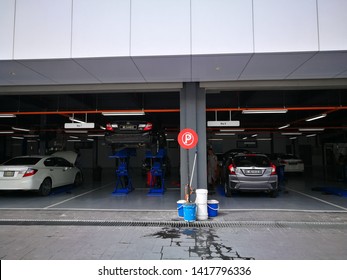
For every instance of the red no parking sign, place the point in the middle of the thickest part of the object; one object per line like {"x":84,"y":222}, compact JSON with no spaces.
{"x":188,"y":138}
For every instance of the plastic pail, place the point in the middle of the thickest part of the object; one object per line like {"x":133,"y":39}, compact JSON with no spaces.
{"x":189,"y":212}
{"x":201,"y":196}
{"x":212,"y":208}
{"x":180,"y":207}
{"x":201,"y":211}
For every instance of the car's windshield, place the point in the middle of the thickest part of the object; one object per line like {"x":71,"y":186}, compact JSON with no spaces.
{"x":248,"y":161}
{"x":22,"y":161}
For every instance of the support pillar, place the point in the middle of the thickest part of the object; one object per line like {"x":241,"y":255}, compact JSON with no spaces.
{"x":193,"y":115}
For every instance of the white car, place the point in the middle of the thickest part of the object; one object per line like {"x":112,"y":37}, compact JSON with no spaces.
{"x":291,"y":163}
{"x":40,"y":173}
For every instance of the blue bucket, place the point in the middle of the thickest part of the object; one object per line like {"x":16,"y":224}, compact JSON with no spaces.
{"x":180,"y":207}
{"x":189,"y":212}
{"x":212,"y":208}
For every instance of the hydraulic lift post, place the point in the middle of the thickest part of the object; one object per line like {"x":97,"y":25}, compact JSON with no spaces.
{"x":123,"y":182}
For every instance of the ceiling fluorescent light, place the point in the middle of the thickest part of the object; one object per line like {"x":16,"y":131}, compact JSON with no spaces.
{"x":76,"y":120}
{"x":20,"y":129}
{"x":316,"y":117}
{"x":311,"y":129}
{"x":215,"y":139}
{"x":76,"y":131}
{"x":311,"y":135}
{"x":291,"y":133}
{"x":264,"y":139}
{"x":96,"y":135}
{"x":17,"y":137}
{"x":232,"y":130}
{"x":6,"y":132}
{"x":225,"y":134}
{"x":285,"y":126}
{"x":293,"y":138}
{"x":7,"y":116}
{"x":125,"y":113}
{"x":267,"y":111}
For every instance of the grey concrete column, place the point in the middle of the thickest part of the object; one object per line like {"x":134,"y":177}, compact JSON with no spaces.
{"x":193,"y":115}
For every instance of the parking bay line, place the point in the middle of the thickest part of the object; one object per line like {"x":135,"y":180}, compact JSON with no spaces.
{"x":316,"y":198}
{"x":71,"y":198}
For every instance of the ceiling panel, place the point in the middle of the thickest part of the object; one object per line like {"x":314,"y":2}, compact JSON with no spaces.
{"x":168,"y":68}
{"x":218,"y":67}
{"x":61,"y":71}
{"x":163,"y":69}
{"x":322,"y":65}
{"x":273,"y":66}
{"x":342,"y":75}
{"x":112,"y":70}
{"x":15,"y":73}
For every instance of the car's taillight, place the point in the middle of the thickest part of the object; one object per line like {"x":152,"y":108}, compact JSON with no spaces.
{"x":231,"y":168}
{"x":148,"y":127}
{"x":273,"y":169}
{"x":109,"y":127}
{"x":30,"y":172}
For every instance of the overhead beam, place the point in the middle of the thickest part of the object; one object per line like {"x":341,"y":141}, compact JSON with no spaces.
{"x":90,"y":88}
{"x":275,"y":85}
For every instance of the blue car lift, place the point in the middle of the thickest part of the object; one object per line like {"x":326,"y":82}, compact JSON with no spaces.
{"x":123,"y":182}
{"x":157,"y":180}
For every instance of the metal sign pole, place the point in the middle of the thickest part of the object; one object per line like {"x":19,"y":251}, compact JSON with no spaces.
{"x":188,"y":139}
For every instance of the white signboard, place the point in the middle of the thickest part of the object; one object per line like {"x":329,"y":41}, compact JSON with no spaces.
{"x":223,"y":123}
{"x":79,"y":125}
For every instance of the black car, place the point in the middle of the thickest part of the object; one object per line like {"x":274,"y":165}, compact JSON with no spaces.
{"x":134,"y":133}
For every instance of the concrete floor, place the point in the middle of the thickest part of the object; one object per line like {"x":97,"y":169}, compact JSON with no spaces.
{"x":99,"y":195}
{"x":300,"y":224}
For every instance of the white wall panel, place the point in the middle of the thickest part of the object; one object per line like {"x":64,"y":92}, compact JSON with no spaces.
{"x":285,"y":25}
{"x":43,"y":29}
{"x":222,"y":26}
{"x":6,"y":28}
{"x":101,"y":28}
{"x":160,"y":27}
{"x":332,"y":18}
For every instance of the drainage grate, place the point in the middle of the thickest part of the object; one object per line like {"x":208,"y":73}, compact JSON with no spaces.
{"x":173,"y":224}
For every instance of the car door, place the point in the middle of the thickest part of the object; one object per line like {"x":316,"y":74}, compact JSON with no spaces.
{"x":66,"y":171}
{"x":54,"y":171}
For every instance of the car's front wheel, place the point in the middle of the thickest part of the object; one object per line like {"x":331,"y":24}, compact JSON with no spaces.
{"x":45,"y":187}
{"x":78,"y":180}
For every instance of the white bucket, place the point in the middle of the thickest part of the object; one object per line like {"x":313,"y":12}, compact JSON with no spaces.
{"x":201,"y":204}
{"x":201,"y":196}
{"x":201,"y":211}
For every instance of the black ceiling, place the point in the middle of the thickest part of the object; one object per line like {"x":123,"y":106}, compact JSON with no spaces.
{"x":46,"y":112}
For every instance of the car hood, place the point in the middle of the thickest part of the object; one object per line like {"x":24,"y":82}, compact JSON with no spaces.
{"x":68,"y":155}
